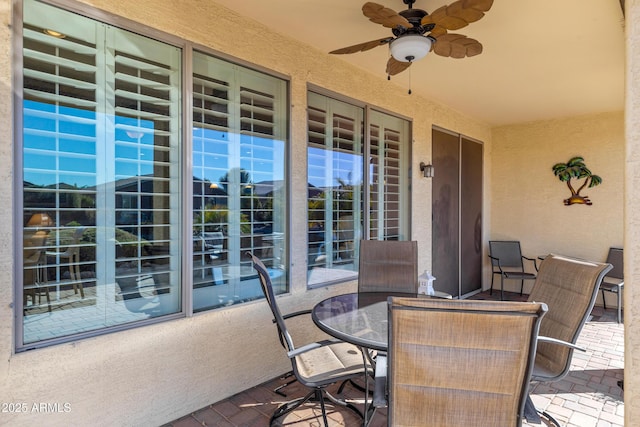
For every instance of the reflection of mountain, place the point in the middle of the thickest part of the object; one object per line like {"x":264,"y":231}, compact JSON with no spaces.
{"x":204,"y":192}
{"x":267,"y":188}
{"x":61,"y":186}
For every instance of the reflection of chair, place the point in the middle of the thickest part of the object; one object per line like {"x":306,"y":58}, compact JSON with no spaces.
{"x":72,"y":256}
{"x":34,"y":279}
{"x":213,"y":243}
{"x":315,"y":365}
{"x":345,"y":232}
{"x":569,"y":287}
{"x":388,"y":265}
{"x":614,"y":280}
{"x":507,"y":261}
{"x":460,"y":363}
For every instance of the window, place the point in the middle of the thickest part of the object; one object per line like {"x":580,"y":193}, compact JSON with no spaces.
{"x":239,"y":200}
{"x":101,"y":179}
{"x":341,"y":210}
{"x":388,"y":177}
{"x":103,"y":166}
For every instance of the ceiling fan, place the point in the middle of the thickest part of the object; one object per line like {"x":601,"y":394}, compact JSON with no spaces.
{"x":416,"y":33}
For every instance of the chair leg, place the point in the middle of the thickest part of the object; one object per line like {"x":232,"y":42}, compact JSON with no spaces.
{"x":317,"y":394}
{"x":521,"y":286}
{"x":501,"y":287}
{"x":322,"y":407}
{"x":343,"y":403}
{"x":491,"y":289}
{"x":48,"y":298}
{"x":287,"y":407}
{"x":619,"y":305}
{"x":278,"y":390}
{"x":604,"y":300}
{"x":552,"y":420}
{"x":533,"y":416}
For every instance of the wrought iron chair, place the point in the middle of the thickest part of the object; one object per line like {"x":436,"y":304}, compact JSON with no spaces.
{"x":614,"y":280}
{"x":316,"y":365}
{"x":490,"y":345}
{"x":507,"y":261}
{"x":569,"y":287}
{"x":388,"y":265}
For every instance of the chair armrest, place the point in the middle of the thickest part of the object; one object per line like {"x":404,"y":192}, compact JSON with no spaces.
{"x":380,"y":383}
{"x":294,"y":314}
{"x":312,"y":346}
{"x":535,"y":264}
{"x":498,"y":261}
{"x":560,"y":342}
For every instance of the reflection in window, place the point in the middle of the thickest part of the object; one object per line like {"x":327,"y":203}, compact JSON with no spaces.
{"x":239,"y":189}
{"x":101,"y":176}
{"x":337,"y":167}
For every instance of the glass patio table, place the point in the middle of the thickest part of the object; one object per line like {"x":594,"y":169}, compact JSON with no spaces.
{"x":359,"y":318}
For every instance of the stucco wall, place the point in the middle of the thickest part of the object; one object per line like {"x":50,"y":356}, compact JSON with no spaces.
{"x":632,"y":216}
{"x":527,"y":198}
{"x":151,"y":375}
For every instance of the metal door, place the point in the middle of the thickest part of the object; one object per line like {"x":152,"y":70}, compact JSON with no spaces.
{"x":456,"y":213}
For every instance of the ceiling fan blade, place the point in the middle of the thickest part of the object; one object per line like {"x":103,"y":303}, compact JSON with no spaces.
{"x":459,"y":14}
{"x":456,"y":46}
{"x":482,"y":5}
{"x":361,"y":47}
{"x":394,"y":66}
{"x":384,"y":16}
{"x":437,"y":31}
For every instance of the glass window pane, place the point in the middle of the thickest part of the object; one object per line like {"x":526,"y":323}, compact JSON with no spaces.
{"x":239,"y":187}
{"x":101,"y":142}
{"x":335,"y":177}
{"x":388,"y":177}
{"x":336,"y":172}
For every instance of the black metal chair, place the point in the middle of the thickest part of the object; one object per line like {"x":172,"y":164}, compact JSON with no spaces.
{"x":614,"y":280}
{"x":507,"y":261}
{"x":316,"y":365}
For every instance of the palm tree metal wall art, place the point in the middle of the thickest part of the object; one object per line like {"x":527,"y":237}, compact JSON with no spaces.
{"x":576,"y":169}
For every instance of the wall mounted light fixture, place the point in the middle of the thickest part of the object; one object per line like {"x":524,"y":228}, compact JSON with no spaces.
{"x":427,"y":170}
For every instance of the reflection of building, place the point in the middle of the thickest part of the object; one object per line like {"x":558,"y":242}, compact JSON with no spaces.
{"x":205,"y":192}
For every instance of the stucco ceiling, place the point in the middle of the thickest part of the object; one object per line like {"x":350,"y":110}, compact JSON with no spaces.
{"x":542,"y":59}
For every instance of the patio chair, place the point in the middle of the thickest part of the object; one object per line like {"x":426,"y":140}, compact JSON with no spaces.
{"x":507,"y":261}
{"x":460,"y":363}
{"x":72,"y":257}
{"x":316,"y":365}
{"x":614,"y":280}
{"x":35,"y":273}
{"x":388,"y":265}
{"x":569,"y":287}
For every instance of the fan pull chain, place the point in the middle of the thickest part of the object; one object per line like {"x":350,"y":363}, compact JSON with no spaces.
{"x":409,"y":80}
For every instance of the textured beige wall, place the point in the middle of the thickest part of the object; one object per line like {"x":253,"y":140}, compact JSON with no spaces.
{"x":527,"y":198}
{"x":150,"y":375}
{"x":632,"y":217}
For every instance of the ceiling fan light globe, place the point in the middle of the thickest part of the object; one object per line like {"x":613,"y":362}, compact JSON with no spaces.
{"x":410,"y":48}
